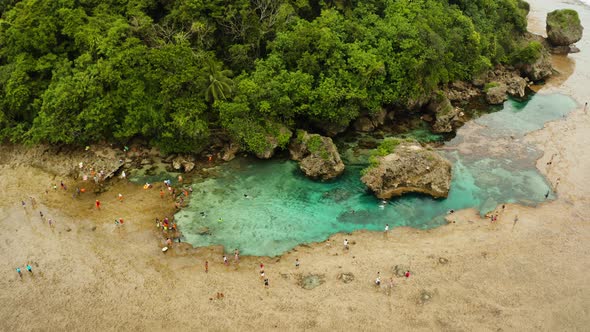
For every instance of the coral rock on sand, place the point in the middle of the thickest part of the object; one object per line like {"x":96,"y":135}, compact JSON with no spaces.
{"x":410,"y":168}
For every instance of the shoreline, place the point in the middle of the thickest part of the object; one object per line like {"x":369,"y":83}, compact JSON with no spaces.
{"x":467,"y":275}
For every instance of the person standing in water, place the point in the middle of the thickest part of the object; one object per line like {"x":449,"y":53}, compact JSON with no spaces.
{"x":386,"y":228}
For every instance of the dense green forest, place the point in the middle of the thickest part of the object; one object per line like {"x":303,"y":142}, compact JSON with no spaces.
{"x":174,"y":71}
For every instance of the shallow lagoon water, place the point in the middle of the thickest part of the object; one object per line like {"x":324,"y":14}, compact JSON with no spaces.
{"x":491,"y":165}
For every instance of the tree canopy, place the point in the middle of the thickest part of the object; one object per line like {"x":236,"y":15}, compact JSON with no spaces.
{"x":79,"y":71}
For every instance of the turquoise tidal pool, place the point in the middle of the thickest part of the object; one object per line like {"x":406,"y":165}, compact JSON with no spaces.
{"x":266,"y":208}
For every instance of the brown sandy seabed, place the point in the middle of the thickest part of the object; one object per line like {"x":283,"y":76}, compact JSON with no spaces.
{"x":90,"y":275}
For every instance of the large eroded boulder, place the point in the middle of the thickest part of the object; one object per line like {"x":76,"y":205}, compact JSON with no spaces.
{"x":184,"y":162}
{"x":409,"y":168}
{"x":461,"y":91}
{"x":317,"y":155}
{"x":272,"y":143}
{"x":563,"y":27}
{"x":540,"y":69}
{"x":446,"y":116}
{"x":501,"y":82}
{"x":496,"y":94}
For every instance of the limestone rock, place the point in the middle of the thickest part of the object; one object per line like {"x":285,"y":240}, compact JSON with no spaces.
{"x":378,"y":117}
{"x":229,"y":151}
{"x":573,"y":49}
{"x":364,"y":124}
{"x":317,"y":155}
{"x":563,"y":27}
{"x":184,"y":162}
{"x":346,"y":277}
{"x":497,"y":94}
{"x":504,"y":82}
{"x":461,"y":91}
{"x":371,"y":121}
{"x":446,"y":115}
{"x":410,"y":168}
{"x":331,"y":128}
{"x":516,"y":86}
{"x":540,"y":69}
{"x":417,"y":103}
{"x":188,"y":166}
{"x":272,"y":143}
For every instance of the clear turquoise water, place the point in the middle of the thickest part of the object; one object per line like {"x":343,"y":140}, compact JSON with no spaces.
{"x":492,"y":165}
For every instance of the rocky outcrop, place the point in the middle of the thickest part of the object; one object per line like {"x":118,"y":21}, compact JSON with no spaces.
{"x":229,"y":151}
{"x":540,"y":69}
{"x":364,"y":124}
{"x":461,"y":91}
{"x":317,"y":155}
{"x":496,"y":94}
{"x":502,"y":82}
{"x":371,"y":122}
{"x":563,"y":27}
{"x":447,"y":117}
{"x":417,"y":103}
{"x":272,"y":143}
{"x":410,"y":168}
{"x":330,"y":128}
{"x":186,"y":163}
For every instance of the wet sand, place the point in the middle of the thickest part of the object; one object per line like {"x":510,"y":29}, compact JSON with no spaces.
{"x":91,"y":275}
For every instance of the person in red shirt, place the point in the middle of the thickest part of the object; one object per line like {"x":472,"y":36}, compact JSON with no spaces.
{"x":98,"y":204}
{"x":407,"y":274}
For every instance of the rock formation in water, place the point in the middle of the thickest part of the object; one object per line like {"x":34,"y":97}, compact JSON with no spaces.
{"x":184,"y":162}
{"x":272,"y":143}
{"x":370,"y":122}
{"x":409,"y":168}
{"x":229,"y":151}
{"x":330,"y":128}
{"x":501,"y":82}
{"x":447,"y":117}
{"x":317,"y":155}
{"x":563,"y":27}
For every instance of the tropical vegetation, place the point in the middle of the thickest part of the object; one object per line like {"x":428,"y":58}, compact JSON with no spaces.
{"x":174,"y":72}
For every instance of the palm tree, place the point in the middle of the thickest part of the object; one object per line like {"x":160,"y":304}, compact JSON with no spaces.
{"x":220,"y":85}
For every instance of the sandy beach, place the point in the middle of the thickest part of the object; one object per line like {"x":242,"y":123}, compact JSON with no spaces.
{"x":531,"y":274}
